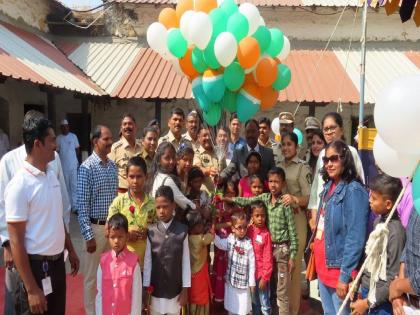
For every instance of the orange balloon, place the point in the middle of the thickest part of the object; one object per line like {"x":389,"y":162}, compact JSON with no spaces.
{"x":266,"y":72}
{"x":252,"y":89}
{"x":186,"y":65}
{"x":269,"y":98}
{"x":182,"y":6}
{"x":205,"y":5}
{"x":168,"y":18}
{"x":248,"y":52}
{"x":249,"y":78}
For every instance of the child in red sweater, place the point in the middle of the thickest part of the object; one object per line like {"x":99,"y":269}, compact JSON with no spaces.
{"x":261,"y":243}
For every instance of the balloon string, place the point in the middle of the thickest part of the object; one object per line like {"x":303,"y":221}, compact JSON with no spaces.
{"x":322,"y":55}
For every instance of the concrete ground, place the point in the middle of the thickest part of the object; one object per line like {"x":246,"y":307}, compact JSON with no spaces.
{"x":310,"y":306}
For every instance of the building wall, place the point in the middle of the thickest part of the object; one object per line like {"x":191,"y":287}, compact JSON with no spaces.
{"x":31,"y":12}
{"x":297,"y":23}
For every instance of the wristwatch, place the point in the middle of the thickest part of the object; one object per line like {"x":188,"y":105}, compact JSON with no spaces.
{"x":6,"y":244}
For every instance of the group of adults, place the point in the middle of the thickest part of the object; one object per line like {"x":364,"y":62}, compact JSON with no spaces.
{"x":221,"y":154}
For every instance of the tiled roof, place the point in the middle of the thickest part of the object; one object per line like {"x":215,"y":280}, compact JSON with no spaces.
{"x":27,"y":56}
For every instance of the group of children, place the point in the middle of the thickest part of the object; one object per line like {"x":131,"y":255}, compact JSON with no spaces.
{"x":254,"y":236}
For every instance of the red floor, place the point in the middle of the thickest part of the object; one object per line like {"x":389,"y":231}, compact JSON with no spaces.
{"x":74,"y":304}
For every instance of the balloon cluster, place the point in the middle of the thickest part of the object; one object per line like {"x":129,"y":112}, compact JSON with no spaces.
{"x":232,"y":59}
{"x":397,"y":145}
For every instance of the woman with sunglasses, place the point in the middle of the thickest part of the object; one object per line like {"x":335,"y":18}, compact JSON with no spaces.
{"x":332,"y":128}
{"x":341,"y":223}
{"x":298,"y":188}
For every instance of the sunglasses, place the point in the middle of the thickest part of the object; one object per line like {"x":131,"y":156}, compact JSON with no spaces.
{"x":333,"y":159}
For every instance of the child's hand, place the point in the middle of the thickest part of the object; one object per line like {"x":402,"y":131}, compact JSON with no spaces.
{"x":263,"y":284}
{"x":291,"y":265}
{"x":360,"y":307}
{"x":183,"y":297}
{"x":394,"y":291}
{"x":288,"y":199}
{"x":398,"y":306}
{"x":252,"y":289}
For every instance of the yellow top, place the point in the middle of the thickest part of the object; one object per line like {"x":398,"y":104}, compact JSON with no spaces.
{"x":198,"y":250}
{"x":144,"y":214}
{"x":121,"y":152}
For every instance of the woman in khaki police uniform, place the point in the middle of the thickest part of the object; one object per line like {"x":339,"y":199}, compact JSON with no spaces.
{"x":297,"y":191}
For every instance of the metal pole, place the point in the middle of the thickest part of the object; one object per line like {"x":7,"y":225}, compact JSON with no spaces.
{"x":362,"y":65}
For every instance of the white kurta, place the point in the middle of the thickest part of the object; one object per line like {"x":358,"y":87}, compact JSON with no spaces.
{"x":161,"y":305}
{"x":238,"y":301}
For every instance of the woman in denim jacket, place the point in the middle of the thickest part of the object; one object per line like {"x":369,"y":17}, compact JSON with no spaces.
{"x":340,"y":233}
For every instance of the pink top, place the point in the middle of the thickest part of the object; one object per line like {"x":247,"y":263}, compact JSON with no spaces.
{"x":246,"y":188}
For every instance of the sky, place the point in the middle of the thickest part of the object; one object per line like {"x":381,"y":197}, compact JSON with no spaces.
{"x":81,"y":3}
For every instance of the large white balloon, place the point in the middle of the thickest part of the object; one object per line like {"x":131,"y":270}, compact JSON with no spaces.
{"x":275,"y":126}
{"x":225,"y":48}
{"x":156,"y":37}
{"x":252,"y":15}
{"x":200,"y":29}
{"x":397,"y":114}
{"x":176,"y":66}
{"x":391,"y":162}
{"x":285,"y":50}
{"x":184,"y":24}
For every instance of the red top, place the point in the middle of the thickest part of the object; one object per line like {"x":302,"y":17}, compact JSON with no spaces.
{"x":261,"y":243}
{"x":328,"y":276}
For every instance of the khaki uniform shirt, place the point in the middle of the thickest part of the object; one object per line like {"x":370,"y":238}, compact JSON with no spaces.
{"x":148,"y":159}
{"x":278,"y":155}
{"x":121,"y":152}
{"x":298,"y":177}
{"x":169,"y":137}
{"x":269,"y":144}
{"x":195,"y":144}
{"x":206,"y":159}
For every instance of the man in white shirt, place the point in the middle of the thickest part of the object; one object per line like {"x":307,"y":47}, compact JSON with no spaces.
{"x":4,"y":143}
{"x":68,"y":147}
{"x":33,"y":202}
{"x":10,"y":164}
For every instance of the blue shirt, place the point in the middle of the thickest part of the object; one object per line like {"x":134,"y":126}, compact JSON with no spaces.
{"x":97,"y":184}
{"x":235,"y":146}
{"x":411,"y":253}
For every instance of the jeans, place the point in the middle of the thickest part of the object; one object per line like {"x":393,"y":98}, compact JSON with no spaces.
{"x":261,"y":300}
{"x":330,"y":301}
{"x":14,"y":289}
{"x":382,"y":309}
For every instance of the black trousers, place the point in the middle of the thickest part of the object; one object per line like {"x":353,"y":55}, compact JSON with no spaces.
{"x":57,"y":272}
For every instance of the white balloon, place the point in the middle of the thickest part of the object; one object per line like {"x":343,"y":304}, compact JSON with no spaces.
{"x":156,"y":37}
{"x":392,"y":162}
{"x":184,"y":24}
{"x":262,"y":22}
{"x":176,"y":66}
{"x":252,"y":14}
{"x":397,"y":114}
{"x":285,"y":50}
{"x":275,"y":126}
{"x":225,"y":48}
{"x":200,"y":29}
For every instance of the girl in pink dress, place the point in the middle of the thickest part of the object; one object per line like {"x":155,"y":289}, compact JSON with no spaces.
{"x":223,"y":224}
{"x":253,"y":164}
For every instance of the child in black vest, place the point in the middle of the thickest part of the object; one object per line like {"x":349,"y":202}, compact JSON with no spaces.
{"x":167,"y":270}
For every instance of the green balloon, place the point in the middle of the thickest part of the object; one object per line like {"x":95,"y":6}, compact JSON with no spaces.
{"x":219,"y":21}
{"x":229,"y":101}
{"x":238,"y":26}
{"x":234,"y":76}
{"x":276,"y":43}
{"x":229,"y":7}
{"x":197,"y":60}
{"x":209,"y":56}
{"x":177,"y":44}
{"x":263,"y":36}
{"x":212,"y":116}
{"x":284,"y":76}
